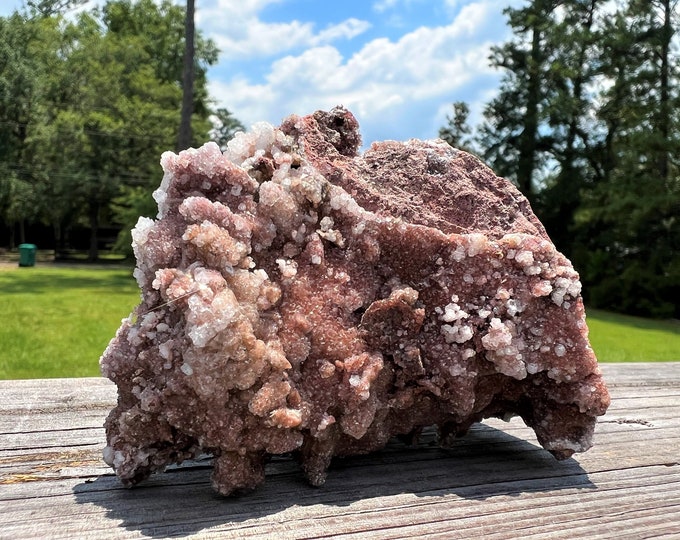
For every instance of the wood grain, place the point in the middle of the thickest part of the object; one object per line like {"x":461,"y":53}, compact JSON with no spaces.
{"x":495,"y":483}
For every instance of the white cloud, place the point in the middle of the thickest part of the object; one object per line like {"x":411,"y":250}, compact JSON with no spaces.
{"x":395,"y":88}
{"x":247,"y":8}
{"x":347,"y":29}
{"x":384,"y":5}
{"x":253,"y":38}
{"x":240,"y":34}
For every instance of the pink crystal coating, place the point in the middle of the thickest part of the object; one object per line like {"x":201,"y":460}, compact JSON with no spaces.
{"x":300,"y":297}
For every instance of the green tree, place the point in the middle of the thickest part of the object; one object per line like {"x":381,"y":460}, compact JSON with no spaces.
{"x":87,"y":108}
{"x":573,"y":41}
{"x":586,"y":123}
{"x":161,"y":25}
{"x":159,"y":29}
{"x":28,"y":48}
{"x":225,"y":126}
{"x":83,"y":140}
{"x":512,"y":134}
{"x":629,"y":235}
{"x":47,"y":8}
{"x":17,"y":201}
{"x":457,"y":131}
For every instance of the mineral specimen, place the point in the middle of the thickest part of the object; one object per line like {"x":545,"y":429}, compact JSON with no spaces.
{"x":300,"y":297}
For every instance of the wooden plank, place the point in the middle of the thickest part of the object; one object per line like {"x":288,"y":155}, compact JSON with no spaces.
{"x":494,"y":483}
{"x":643,"y":374}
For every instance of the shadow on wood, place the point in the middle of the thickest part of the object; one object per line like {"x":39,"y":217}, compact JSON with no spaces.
{"x":494,"y":484}
{"x":485,"y":464}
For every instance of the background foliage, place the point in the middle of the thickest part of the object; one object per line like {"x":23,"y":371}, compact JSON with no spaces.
{"x":87,"y":105}
{"x":586,"y":123}
{"x":58,"y":320}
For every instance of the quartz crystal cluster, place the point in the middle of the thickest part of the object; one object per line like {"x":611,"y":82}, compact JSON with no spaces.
{"x":300,"y":297}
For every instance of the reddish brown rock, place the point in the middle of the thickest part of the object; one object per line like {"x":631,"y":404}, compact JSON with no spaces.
{"x":300,"y":297}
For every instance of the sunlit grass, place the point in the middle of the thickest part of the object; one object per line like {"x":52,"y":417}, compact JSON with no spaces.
{"x":56,"y":321}
{"x":622,"y":338}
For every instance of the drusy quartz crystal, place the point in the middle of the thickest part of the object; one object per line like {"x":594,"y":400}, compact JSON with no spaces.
{"x":301,"y":297}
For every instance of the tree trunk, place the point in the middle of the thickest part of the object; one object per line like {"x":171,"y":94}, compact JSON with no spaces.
{"x":12,"y":236}
{"x":184,"y":138}
{"x":570,"y":179}
{"x":526,"y":162}
{"x":665,"y":109}
{"x":93,"y":253}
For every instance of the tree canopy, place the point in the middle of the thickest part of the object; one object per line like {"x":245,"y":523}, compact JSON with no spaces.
{"x":586,"y":123}
{"x":87,"y":105}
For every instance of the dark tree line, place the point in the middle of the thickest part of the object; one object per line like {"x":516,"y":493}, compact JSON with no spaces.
{"x":87,"y":105}
{"x":587,"y":124}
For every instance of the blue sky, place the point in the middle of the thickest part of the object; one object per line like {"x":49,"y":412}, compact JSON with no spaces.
{"x":396,"y":64}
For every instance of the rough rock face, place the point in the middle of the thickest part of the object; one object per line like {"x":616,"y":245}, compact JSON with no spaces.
{"x":299,"y":297}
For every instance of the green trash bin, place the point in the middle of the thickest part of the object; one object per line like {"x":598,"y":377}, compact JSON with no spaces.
{"x":27,"y":254}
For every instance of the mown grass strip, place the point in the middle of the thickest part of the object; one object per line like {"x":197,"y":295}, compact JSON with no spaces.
{"x":622,"y":338}
{"x":57,"y":320}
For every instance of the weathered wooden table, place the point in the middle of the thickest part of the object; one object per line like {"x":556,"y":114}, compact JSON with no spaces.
{"x":496,"y":483}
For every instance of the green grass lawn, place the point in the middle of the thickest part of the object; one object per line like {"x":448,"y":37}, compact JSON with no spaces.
{"x":622,"y":338}
{"x":57,"y":320}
